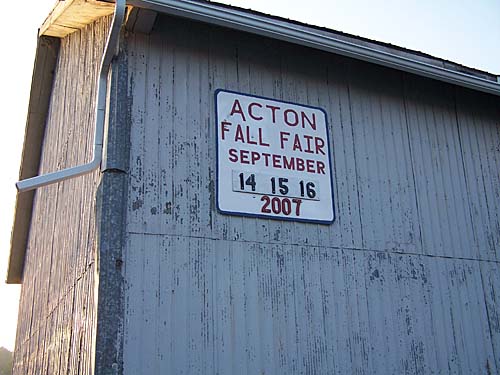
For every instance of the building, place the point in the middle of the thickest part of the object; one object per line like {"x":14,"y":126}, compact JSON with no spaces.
{"x":156,"y":260}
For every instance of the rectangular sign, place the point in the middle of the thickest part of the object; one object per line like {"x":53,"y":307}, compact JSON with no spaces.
{"x":273,"y":159}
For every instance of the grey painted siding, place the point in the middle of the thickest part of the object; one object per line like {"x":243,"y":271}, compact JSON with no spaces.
{"x":403,"y":282}
{"x":205,"y":306}
{"x":57,"y":315}
{"x":479,"y":130}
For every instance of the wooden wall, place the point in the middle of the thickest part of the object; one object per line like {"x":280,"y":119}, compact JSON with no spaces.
{"x":57,"y":315}
{"x":403,"y":282}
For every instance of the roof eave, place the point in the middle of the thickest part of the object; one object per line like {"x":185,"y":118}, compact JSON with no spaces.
{"x":308,"y":36}
{"x":41,"y":86}
{"x":72,"y":15}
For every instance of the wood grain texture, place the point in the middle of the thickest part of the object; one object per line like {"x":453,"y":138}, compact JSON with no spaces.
{"x":73,"y":15}
{"x":216,"y":306}
{"x":57,"y":315}
{"x":402,"y":282}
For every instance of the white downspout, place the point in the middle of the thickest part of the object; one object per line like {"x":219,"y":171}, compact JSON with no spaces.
{"x":102,"y":86}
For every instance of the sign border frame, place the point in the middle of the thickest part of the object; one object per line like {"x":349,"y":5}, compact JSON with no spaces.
{"x":245,"y":214}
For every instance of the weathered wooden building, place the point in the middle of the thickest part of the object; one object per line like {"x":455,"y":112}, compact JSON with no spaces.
{"x":155,"y":263}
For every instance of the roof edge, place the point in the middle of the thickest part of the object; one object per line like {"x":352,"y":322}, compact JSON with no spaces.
{"x":285,"y":30}
{"x":71,"y":15}
{"x":43,"y":76}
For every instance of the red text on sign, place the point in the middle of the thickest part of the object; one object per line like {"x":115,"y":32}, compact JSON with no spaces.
{"x":278,"y":205}
{"x":276,"y":161}
{"x":259,"y":112}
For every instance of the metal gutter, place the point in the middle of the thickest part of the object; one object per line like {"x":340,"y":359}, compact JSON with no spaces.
{"x":109,"y":53}
{"x":289,"y":32}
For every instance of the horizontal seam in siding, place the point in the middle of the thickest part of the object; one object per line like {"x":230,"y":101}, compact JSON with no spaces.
{"x":395,"y":252}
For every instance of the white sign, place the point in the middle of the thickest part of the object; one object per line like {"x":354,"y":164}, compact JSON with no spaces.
{"x":273,"y":159}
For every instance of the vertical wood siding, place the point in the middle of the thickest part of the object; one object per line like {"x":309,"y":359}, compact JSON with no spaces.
{"x":57,"y":314}
{"x":404,"y":280}
{"x":205,"y":306}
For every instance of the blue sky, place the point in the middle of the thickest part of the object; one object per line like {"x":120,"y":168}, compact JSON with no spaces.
{"x":466,"y":32}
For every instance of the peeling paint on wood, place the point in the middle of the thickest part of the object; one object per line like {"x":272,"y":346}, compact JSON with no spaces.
{"x":403,"y":282}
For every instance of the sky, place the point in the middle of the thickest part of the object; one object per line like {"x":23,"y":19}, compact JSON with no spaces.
{"x":466,"y":32}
